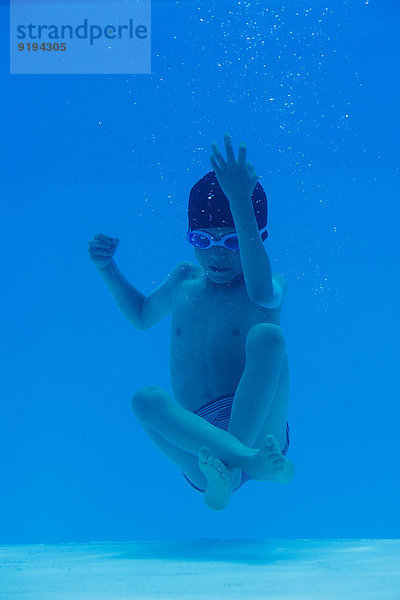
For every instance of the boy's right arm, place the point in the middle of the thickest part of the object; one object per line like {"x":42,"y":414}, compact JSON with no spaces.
{"x":142,"y":312}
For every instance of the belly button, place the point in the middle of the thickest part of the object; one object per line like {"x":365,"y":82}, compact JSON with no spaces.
{"x":235,"y":332}
{"x":178,"y":331}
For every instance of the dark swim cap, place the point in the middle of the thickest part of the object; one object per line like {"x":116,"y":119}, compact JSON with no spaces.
{"x":209,"y":207}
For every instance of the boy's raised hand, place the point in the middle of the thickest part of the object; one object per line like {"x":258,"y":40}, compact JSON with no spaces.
{"x":101,"y":250}
{"x":236,"y":178}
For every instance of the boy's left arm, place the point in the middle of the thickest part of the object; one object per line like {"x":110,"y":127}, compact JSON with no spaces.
{"x":262,"y":287}
{"x":237,"y":180}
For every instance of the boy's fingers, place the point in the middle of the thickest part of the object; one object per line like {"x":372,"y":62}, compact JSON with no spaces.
{"x":100,"y":252}
{"x":217,"y":154}
{"x":242,"y":154}
{"x":230,"y":155}
{"x":214,"y":165}
{"x":251,"y":171}
{"x":105,"y":238}
{"x":100,"y":244}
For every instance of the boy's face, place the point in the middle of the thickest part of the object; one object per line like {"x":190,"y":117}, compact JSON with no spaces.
{"x":215,"y":257}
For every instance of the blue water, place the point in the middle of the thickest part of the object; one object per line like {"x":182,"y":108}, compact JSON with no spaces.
{"x":313,"y":90}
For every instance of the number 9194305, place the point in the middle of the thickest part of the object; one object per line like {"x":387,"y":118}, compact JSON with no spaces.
{"x":44,"y":47}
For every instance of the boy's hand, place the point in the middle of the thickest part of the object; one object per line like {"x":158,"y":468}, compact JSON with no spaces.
{"x":237,"y":179}
{"x":102,"y":249}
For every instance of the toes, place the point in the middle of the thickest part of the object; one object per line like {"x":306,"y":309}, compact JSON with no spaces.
{"x":204,"y":455}
{"x":270,"y":443}
{"x":219,"y":465}
{"x":269,"y":440}
{"x":216,"y":464}
{"x":279,"y":465}
{"x":222,"y":470}
{"x":278,"y":469}
{"x":206,"y":458}
{"x":225,"y":475}
{"x":275,"y":458}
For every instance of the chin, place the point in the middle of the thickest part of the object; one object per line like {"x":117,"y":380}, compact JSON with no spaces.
{"x":222,"y":278}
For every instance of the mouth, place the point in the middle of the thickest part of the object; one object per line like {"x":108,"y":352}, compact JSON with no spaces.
{"x":218,"y":269}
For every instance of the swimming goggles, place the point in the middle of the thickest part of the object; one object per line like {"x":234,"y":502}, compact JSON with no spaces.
{"x":203,"y":240}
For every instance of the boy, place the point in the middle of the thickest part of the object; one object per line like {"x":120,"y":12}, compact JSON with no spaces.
{"x":229,"y":366}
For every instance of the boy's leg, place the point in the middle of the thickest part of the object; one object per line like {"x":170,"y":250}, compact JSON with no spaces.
{"x":157,"y":410}
{"x":255,"y":413}
{"x":218,"y":483}
{"x":185,"y":461}
{"x":261,"y":398}
{"x":276,"y":419}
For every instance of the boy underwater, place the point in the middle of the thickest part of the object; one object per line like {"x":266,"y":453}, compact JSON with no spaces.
{"x":228,"y":362}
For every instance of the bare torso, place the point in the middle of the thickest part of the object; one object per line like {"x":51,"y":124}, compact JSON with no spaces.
{"x":208,"y":335}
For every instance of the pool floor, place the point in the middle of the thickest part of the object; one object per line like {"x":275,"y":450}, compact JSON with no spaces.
{"x":208,"y":569}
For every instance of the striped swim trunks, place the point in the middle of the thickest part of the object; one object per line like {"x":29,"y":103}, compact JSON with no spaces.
{"x":218,"y":413}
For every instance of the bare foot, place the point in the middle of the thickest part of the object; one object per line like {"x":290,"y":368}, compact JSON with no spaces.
{"x":220,"y":480}
{"x":269,"y":463}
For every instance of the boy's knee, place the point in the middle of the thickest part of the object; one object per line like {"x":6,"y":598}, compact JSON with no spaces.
{"x":265,"y":335}
{"x":148,"y":399}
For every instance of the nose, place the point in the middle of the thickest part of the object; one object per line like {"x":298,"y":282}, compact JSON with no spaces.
{"x":217,"y":252}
